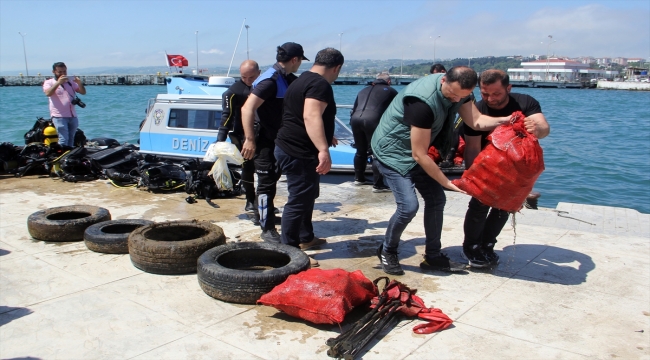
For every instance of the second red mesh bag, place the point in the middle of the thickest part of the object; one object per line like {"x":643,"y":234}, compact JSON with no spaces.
{"x":504,"y":173}
{"x":321,"y":296}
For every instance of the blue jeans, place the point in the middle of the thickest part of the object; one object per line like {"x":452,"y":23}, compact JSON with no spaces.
{"x":303,"y":185}
{"x":403,"y":188}
{"x":66,"y":127}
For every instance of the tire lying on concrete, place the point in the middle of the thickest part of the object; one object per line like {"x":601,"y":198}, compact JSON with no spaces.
{"x":173,"y":247}
{"x":243,"y":272}
{"x":111,"y":237}
{"x":65,"y":223}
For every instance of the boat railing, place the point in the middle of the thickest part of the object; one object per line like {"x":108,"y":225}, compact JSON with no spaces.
{"x":342,"y":131}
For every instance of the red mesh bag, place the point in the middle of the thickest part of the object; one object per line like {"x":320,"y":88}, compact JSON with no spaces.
{"x":458,"y":159}
{"x":321,"y":296}
{"x":434,"y":154}
{"x":504,"y":173}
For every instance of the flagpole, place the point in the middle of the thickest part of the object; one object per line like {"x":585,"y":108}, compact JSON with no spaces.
{"x":167,"y":61}
{"x":233,"y":53}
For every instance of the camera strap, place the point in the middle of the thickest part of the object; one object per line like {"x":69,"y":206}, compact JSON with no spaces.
{"x":68,"y":92}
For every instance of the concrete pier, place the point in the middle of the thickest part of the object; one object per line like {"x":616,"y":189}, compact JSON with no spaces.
{"x":623,"y":85}
{"x":88,"y":80}
{"x":573,"y":283}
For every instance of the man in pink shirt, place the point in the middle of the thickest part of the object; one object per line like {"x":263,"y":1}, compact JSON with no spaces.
{"x":61,"y":90}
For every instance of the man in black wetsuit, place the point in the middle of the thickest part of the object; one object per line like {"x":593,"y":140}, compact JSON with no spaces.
{"x":302,"y":146}
{"x":482,"y":224}
{"x":266,"y":101}
{"x":233,"y":100}
{"x":368,"y":108}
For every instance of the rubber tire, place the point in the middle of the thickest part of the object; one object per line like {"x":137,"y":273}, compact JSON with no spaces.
{"x":65,"y":223}
{"x":173,"y":247}
{"x":112,"y":237}
{"x":222,"y":272}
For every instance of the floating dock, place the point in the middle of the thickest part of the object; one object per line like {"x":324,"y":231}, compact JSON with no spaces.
{"x":573,"y":283}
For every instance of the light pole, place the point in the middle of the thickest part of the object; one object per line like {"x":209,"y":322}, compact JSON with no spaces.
{"x":548,"y":47}
{"x":340,"y":40}
{"x":401,"y":65}
{"x":247,"y":57}
{"x":197,"y":51}
{"x":24,"y":52}
{"x":469,"y":61}
{"x":434,"y":46}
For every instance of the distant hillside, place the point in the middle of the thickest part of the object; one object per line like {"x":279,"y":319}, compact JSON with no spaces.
{"x":478,"y":64}
{"x":351,"y":67}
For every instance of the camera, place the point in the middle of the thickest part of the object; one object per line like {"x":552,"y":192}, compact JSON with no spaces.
{"x":78,"y":102}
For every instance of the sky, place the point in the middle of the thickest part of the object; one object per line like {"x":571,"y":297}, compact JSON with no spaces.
{"x":113,"y":33}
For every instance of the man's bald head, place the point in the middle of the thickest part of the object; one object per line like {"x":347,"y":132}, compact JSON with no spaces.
{"x":249,"y":71}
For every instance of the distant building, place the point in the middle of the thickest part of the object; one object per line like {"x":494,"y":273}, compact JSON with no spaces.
{"x":556,"y":72}
{"x":603,"y":61}
{"x":620,"y":60}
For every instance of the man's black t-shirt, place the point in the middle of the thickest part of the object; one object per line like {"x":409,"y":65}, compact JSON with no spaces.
{"x":517,"y":102}
{"x":270,"y":112}
{"x":292,"y":136}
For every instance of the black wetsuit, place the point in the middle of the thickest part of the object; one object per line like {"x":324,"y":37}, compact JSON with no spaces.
{"x":233,"y":99}
{"x":368,"y":108}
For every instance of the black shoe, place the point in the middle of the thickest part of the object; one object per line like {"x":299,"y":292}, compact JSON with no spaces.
{"x":250,"y":206}
{"x":490,"y":255}
{"x":382,"y":189}
{"x":276,"y":210}
{"x":271,"y":236}
{"x":389,"y":262}
{"x":475,"y":257}
{"x":441,"y":263}
{"x":362,"y":182}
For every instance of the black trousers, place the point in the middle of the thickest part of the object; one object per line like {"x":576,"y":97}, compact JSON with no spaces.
{"x":303,"y":184}
{"x":482,"y":224}
{"x":362,"y":131}
{"x":268,"y":175}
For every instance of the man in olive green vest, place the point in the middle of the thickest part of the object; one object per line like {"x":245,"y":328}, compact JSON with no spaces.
{"x":423,"y":111}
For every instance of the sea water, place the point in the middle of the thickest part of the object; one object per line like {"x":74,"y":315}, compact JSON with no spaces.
{"x":598,"y":151}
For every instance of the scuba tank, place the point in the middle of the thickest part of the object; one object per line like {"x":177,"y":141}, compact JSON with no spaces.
{"x":50,"y":135}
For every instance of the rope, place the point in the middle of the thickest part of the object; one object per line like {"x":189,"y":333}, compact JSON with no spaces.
{"x":561,"y":212}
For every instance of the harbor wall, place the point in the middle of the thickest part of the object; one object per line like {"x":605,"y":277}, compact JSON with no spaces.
{"x":87,"y":80}
{"x":623,"y":85}
{"x":159,"y":79}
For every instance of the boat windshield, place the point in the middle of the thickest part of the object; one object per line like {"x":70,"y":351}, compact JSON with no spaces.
{"x":342,"y":130}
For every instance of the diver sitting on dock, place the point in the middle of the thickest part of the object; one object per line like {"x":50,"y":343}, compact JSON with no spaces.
{"x":233,"y":100}
{"x":266,"y":100}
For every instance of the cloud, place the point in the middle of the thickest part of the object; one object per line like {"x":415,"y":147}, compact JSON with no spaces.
{"x":212,"y":51}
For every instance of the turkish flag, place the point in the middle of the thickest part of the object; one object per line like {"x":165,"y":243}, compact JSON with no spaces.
{"x":176,"y":60}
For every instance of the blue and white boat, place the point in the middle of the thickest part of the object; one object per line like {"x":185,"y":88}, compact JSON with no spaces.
{"x":184,"y":122}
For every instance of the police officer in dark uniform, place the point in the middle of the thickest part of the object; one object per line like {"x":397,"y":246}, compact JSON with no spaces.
{"x":233,"y":99}
{"x":368,"y":108}
{"x":266,"y":101}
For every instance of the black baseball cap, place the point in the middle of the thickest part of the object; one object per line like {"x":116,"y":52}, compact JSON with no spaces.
{"x":292,"y":49}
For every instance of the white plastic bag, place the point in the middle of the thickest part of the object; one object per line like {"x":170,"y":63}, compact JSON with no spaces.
{"x":221,"y":174}
{"x":225,"y":150}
